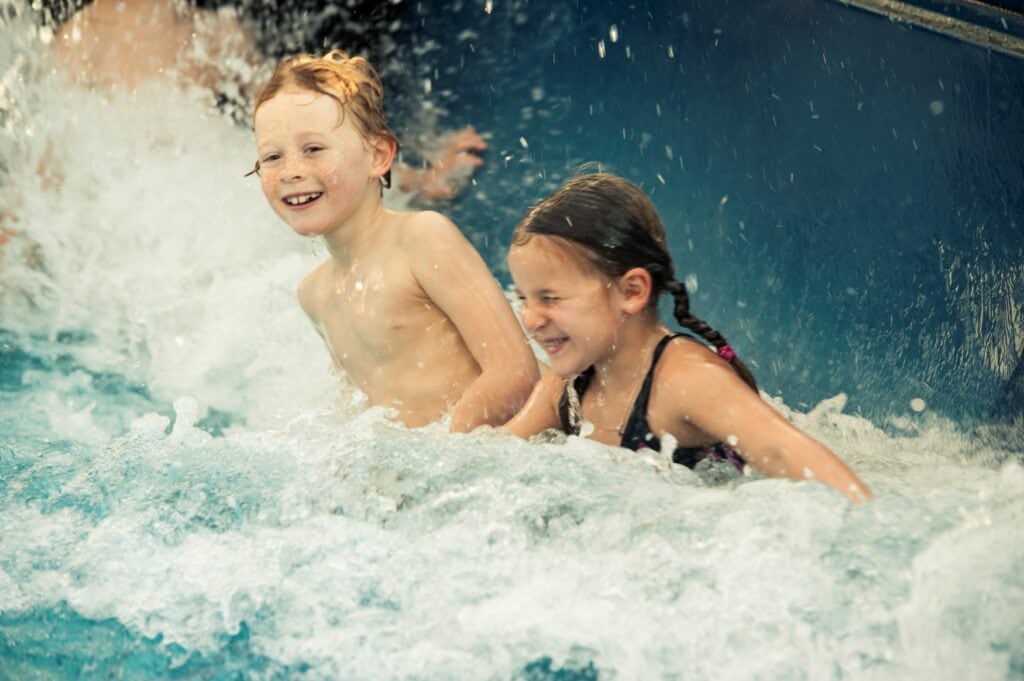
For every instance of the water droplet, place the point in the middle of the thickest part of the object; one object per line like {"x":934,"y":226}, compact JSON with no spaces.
{"x":937,"y":107}
{"x":918,"y":405}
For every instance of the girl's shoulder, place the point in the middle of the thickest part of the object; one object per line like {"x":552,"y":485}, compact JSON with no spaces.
{"x":687,"y":349}
{"x":687,"y":363}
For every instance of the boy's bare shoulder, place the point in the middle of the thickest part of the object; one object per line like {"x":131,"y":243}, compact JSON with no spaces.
{"x":427,"y":228}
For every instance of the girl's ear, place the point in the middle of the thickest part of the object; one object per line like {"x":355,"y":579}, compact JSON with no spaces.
{"x":383,"y":149}
{"x":635,"y":286}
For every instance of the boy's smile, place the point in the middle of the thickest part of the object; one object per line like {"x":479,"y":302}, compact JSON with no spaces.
{"x":301,"y":201}
{"x":316,"y":169}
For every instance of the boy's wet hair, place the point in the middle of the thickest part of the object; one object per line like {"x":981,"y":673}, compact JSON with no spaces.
{"x":350,"y":81}
{"x":612,"y":226}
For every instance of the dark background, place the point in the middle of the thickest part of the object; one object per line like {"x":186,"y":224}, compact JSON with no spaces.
{"x":844,"y":193}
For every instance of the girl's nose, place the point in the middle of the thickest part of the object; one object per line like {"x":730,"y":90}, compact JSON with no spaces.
{"x":531,"y":319}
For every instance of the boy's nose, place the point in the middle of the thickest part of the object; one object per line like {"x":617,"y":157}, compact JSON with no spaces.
{"x":293,"y":170}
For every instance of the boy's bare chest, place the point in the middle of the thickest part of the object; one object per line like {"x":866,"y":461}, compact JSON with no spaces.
{"x":372,"y":313}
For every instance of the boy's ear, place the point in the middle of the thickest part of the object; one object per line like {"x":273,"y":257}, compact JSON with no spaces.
{"x":383,"y":149}
{"x":635,"y":286}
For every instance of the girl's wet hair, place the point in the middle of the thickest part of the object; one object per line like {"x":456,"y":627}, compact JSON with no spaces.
{"x":350,"y":81}
{"x":613,"y":226}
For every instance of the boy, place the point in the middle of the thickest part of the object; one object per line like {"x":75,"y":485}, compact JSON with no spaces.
{"x":406,"y":306}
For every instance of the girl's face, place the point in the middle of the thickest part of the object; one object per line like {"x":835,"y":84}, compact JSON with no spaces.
{"x":572,"y":311}
{"x":314,"y":172}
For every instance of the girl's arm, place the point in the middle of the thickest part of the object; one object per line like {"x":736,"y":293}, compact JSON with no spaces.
{"x":703,"y":391}
{"x":456,"y":279}
{"x":541,"y":410}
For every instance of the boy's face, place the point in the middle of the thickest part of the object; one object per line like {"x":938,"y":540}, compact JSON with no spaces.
{"x":570,"y":310}
{"x":315,"y":173}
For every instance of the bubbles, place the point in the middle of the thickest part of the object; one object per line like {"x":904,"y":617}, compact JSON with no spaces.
{"x":918,"y":405}
{"x":937,"y":106}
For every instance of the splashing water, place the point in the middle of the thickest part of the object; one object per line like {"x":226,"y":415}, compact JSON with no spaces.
{"x":186,"y":490}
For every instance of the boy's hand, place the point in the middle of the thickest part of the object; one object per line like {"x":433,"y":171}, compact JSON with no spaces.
{"x":452,"y":169}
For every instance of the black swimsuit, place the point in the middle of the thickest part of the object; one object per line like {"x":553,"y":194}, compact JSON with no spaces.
{"x":637,"y":434}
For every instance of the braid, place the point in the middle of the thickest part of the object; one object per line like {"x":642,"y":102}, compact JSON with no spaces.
{"x":688,"y":320}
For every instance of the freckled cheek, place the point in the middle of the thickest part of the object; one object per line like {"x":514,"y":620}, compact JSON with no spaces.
{"x":267,"y":183}
{"x":333,"y":178}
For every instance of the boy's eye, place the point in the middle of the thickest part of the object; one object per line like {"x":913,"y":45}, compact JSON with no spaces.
{"x":313,"y":149}
{"x":549,"y":300}
{"x":270,"y":158}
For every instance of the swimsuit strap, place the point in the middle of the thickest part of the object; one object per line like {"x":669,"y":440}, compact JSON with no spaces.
{"x":637,"y":432}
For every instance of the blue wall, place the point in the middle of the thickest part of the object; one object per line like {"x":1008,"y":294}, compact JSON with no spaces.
{"x":848,"y":192}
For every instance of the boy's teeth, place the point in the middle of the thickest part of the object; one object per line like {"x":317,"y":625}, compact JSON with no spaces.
{"x":301,"y":199}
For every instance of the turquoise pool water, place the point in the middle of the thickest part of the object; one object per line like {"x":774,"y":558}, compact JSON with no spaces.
{"x":186,"y":492}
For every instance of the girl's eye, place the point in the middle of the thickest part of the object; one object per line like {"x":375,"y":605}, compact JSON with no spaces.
{"x":270,"y":158}
{"x":313,"y":149}
{"x":549,"y":300}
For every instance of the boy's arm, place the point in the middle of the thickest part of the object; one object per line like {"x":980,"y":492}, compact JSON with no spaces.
{"x":541,"y":410}
{"x":456,"y":279}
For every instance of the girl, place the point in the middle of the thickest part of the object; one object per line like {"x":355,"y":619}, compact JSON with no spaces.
{"x":589,"y":263}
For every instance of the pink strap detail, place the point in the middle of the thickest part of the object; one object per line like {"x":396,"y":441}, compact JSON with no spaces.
{"x":727,"y":353}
